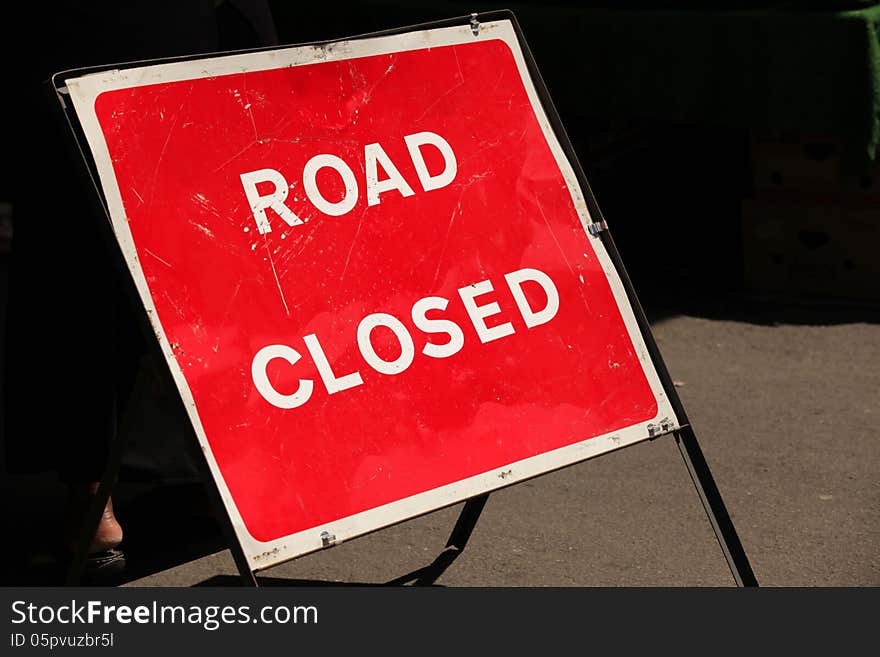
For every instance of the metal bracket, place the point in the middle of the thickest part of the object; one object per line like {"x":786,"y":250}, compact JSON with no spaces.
{"x":662,"y":428}
{"x":597,"y":227}
{"x":475,"y":25}
{"x":328,"y":539}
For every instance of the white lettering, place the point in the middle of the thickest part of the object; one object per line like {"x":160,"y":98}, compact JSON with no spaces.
{"x":478,"y":314}
{"x":333,"y":383}
{"x":265,"y":387}
{"x":259,"y":204}
{"x":450,"y":328}
{"x":373,"y":154}
{"x":310,"y":173}
{"x":429,"y":182}
{"x":407,"y":349}
{"x":530,"y":317}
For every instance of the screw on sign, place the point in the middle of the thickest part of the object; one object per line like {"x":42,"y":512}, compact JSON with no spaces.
{"x":374,"y":262}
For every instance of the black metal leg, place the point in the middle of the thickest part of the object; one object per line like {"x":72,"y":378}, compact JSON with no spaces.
{"x":725,"y":532}
{"x":247,"y":577}
{"x":458,"y":539}
{"x":466,"y":522}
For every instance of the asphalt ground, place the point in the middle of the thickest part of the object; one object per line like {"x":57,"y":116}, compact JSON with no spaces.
{"x":785,"y":405}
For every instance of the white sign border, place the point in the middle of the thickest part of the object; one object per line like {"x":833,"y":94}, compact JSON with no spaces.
{"x":84,"y":92}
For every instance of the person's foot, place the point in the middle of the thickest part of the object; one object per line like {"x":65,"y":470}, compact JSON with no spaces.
{"x":109,"y":532}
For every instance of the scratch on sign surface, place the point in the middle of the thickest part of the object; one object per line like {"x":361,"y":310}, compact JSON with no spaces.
{"x":204,"y":229}
{"x":167,"y":140}
{"x":455,"y":213}
{"x":353,"y":241}
{"x":275,"y":274}
{"x":441,"y":97}
{"x":158,"y":258}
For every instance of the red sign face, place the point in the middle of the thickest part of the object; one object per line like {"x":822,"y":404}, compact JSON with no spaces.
{"x":373,"y":274}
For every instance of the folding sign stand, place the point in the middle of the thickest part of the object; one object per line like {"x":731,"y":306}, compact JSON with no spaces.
{"x":467,"y":173}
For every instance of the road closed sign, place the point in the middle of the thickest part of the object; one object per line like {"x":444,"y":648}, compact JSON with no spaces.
{"x":369,"y":267}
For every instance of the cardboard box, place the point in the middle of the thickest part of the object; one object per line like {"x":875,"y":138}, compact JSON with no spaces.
{"x":862,"y":186}
{"x":795,"y":163}
{"x":823,"y":250}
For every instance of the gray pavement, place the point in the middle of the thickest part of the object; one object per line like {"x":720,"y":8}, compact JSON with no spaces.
{"x":787,"y":417}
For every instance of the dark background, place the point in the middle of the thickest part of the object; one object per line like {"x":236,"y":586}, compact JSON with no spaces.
{"x":669,"y":171}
